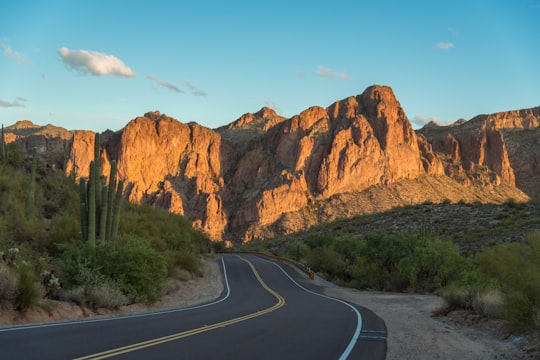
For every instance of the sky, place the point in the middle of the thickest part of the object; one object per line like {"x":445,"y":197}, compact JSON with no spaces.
{"x":95,"y":65}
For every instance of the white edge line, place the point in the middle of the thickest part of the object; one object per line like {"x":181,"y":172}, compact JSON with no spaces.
{"x":356,"y":334}
{"x":154,"y":313}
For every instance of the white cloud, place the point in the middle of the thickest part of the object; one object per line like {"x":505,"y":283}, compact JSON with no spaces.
{"x":18,"y":102}
{"x":300,"y":74}
{"x":93,"y":62}
{"x":344,"y":76}
{"x":272,"y":105}
{"x":453,"y":31}
{"x":14,"y":55}
{"x":164,"y":83}
{"x":325,"y":72}
{"x":444,"y":45}
{"x":194,"y":90}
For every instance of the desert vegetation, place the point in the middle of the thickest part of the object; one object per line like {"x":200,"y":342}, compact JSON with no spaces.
{"x":496,"y":278}
{"x":47,"y":252}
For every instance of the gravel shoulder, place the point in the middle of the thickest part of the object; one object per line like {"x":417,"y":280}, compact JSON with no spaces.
{"x":413,"y":331}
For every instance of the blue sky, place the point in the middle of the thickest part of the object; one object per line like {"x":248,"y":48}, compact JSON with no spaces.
{"x":98,"y":64}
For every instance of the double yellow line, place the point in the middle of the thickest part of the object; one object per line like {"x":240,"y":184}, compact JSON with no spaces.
{"x":161,"y":340}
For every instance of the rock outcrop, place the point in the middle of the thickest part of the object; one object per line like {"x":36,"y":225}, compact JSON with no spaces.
{"x":264,"y":174}
{"x":503,"y":142}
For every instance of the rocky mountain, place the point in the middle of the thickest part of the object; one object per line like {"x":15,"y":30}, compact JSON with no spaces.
{"x":507,"y":142}
{"x":264,"y":174}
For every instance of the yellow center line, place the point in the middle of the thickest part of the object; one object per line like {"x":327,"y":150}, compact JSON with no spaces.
{"x":164,"y":339}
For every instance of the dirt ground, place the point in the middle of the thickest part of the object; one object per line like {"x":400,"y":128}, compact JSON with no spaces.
{"x":413,"y":331}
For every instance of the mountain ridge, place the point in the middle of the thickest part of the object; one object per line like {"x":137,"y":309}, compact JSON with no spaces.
{"x":264,"y":174}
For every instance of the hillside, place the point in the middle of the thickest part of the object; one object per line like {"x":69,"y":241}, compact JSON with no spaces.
{"x":265,"y":175}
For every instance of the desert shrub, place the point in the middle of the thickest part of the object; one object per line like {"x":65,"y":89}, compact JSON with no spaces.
{"x":317,"y":241}
{"x":75,"y":294}
{"x":28,"y":291}
{"x":65,"y":228}
{"x":106,"y":294}
{"x":15,"y":155}
{"x":364,"y":275}
{"x":296,"y":250}
{"x":432,"y":265}
{"x":169,"y":234}
{"x":326,"y":260}
{"x":489,"y":303}
{"x":8,"y":285}
{"x":516,"y":268}
{"x":474,"y":292}
{"x":183,"y":261}
{"x":137,"y":268}
{"x":375,"y":265}
{"x":131,"y":264}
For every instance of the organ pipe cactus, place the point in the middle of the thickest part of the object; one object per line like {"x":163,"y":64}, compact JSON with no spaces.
{"x":110,"y":200}
{"x":103,"y":214}
{"x":100,"y":204}
{"x":31,"y":188}
{"x":97,"y":168}
{"x":3,"y":151}
{"x":84,"y":208}
{"x":116,"y":215}
{"x":92,"y":206}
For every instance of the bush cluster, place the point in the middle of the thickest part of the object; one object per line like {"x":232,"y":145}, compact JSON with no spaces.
{"x":500,"y":281}
{"x":52,"y":259}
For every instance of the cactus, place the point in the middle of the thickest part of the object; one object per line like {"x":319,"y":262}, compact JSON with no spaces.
{"x":84,"y":208}
{"x":97,"y":176}
{"x":31,"y":188}
{"x":3,"y":153}
{"x":103,"y":214}
{"x":92,"y":206}
{"x":100,"y":204}
{"x":116,"y":212}
{"x":110,"y":199}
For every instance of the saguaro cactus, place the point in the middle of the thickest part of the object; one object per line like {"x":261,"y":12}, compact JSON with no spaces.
{"x":116,"y":214}
{"x":110,"y":200}
{"x":3,"y":151}
{"x":31,"y":188}
{"x":103,"y":214}
{"x":84,"y":208}
{"x":92,"y":206}
{"x":100,"y":204}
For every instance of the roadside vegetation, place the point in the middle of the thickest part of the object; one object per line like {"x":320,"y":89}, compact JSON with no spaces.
{"x":44,"y":255}
{"x":499,"y":280}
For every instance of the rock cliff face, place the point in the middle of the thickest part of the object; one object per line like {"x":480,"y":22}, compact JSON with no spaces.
{"x":503,"y":142}
{"x":264,"y":174}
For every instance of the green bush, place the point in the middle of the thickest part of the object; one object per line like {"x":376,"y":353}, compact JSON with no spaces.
{"x":137,"y":268}
{"x":8,"y":285}
{"x":28,"y":291}
{"x":376,"y":262}
{"x":296,"y":250}
{"x":516,"y":268}
{"x":476,"y":293}
{"x":107,"y":294}
{"x":183,"y":261}
{"x":432,"y":265}
{"x":326,"y":260}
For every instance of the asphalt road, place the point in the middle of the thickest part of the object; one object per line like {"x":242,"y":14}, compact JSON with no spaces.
{"x":267,"y":311}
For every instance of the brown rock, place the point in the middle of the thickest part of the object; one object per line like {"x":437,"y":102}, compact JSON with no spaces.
{"x":264,"y":174}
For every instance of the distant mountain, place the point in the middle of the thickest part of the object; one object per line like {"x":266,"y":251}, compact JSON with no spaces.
{"x":264,"y":174}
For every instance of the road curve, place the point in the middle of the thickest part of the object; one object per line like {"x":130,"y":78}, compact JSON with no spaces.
{"x":267,"y":311}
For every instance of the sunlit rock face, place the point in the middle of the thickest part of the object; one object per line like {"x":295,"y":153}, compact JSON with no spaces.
{"x":265,"y":174}
{"x":508,"y":143}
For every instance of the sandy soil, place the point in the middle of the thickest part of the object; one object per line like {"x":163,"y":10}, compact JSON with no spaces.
{"x":414,"y":333}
